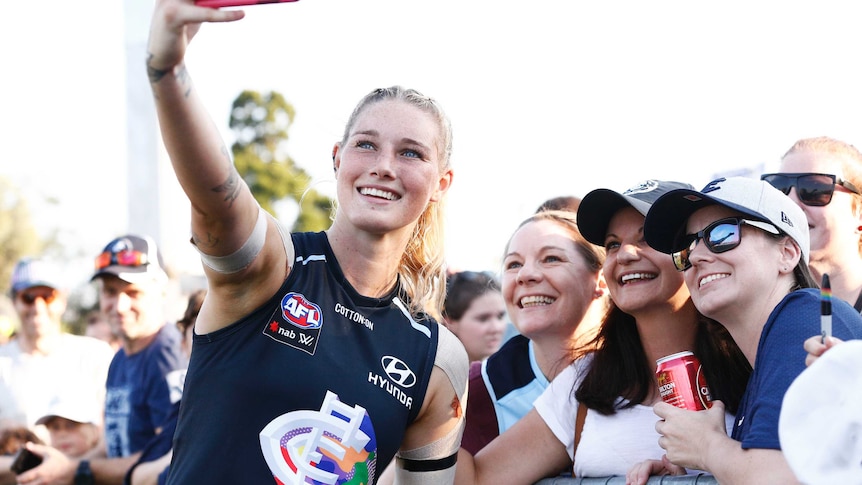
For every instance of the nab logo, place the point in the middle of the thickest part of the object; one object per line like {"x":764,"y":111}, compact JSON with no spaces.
{"x":398,"y":371}
{"x":301,"y":312}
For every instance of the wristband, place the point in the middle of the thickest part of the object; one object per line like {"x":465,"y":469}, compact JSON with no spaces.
{"x":84,"y":475}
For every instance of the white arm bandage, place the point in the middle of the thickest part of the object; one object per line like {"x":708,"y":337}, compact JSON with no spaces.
{"x":435,"y":462}
{"x":242,"y":257}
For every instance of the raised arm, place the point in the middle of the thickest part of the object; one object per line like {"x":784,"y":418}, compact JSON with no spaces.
{"x":249,"y":265}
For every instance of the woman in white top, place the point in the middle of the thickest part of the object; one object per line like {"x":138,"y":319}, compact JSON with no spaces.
{"x":651,"y":316}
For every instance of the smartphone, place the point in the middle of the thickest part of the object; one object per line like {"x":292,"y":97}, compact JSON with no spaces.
{"x":25,"y":460}
{"x":236,"y":3}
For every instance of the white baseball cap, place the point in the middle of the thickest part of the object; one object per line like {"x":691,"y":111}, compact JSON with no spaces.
{"x":820,"y":427}
{"x":752,"y":197}
{"x":74,"y":408}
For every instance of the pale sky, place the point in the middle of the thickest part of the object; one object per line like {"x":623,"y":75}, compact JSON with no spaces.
{"x":546,"y":98}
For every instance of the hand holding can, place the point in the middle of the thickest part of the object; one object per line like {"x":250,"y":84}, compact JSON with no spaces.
{"x":681,"y":382}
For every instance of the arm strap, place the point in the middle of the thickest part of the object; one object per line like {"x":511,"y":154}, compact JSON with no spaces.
{"x":579,"y":427}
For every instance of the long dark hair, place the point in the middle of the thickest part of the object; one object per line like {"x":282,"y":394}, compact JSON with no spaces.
{"x":620,"y":367}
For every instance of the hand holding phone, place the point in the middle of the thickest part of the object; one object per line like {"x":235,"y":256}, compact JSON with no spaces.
{"x":25,"y":460}
{"x":235,"y":3}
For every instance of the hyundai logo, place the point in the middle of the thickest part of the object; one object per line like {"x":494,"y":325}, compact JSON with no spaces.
{"x":398,"y":371}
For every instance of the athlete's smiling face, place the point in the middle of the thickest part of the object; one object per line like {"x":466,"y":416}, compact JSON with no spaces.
{"x":389,"y":168}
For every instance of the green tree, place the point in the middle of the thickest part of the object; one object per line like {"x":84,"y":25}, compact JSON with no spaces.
{"x":260,"y":123}
{"x":18,"y":235}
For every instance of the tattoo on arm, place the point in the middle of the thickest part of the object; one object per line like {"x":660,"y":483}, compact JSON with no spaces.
{"x":230,"y":187}
{"x":209,"y":242}
{"x":154,"y":74}
{"x":184,"y":79}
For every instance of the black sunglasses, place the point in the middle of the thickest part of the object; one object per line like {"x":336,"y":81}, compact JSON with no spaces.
{"x":719,"y":237}
{"x":813,"y":189}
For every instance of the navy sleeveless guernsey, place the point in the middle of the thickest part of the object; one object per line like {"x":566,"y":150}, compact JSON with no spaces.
{"x":316,"y":386}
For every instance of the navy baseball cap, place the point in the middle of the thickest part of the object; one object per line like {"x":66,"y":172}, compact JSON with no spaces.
{"x":132,"y":258}
{"x":599,"y":206}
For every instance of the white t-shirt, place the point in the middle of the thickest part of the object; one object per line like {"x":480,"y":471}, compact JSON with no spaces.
{"x":31,"y":384}
{"x":610,"y":445}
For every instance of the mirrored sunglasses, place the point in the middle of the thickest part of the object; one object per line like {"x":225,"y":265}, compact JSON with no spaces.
{"x":812,"y":189}
{"x":126,"y":257}
{"x":719,"y":237}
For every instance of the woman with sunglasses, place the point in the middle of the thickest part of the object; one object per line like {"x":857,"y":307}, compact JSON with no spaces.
{"x":596,"y":413}
{"x":316,"y":356}
{"x":743,"y":249}
{"x":823,"y":176}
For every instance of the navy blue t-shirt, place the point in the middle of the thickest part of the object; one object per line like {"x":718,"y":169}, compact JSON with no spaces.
{"x":137,"y":399}
{"x":781,"y":358}
{"x":318,"y":383}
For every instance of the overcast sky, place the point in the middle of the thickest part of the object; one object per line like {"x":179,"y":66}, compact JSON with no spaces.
{"x":546,"y":98}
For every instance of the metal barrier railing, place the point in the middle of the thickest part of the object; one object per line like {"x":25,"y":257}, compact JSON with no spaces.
{"x":701,"y":479}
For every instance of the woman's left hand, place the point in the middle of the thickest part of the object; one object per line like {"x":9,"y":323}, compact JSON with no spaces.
{"x":686,"y":435}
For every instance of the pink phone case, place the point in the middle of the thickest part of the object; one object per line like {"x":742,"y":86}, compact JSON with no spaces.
{"x":236,"y":3}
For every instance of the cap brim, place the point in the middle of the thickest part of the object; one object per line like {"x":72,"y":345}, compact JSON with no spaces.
{"x":32,"y":284}
{"x":78,"y":419}
{"x":598,"y":207}
{"x":668,"y":214}
{"x":45,"y":419}
{"x":133,"y":275}
{"x":671,"y":211}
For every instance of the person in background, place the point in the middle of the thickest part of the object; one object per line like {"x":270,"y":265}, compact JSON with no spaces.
{"x":132,"y":289}
{"x":99,"y":328}
{"x":596,"y":418}
{"x":743,"y":247}
{"x":43,"y":363}
{"x":555,"y":295}
{"x":561,"y":203}
{"x":315,"y":355}
{"x":154,"y":464}
{"x":74,"y":425}
{"x":824,"y":177}
{"x":475,"y":312}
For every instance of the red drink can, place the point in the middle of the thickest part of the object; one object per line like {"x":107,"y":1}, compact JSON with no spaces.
{"x":681,"y":382}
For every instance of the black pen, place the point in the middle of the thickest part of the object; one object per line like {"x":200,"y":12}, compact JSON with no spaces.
{"x":825,"y":309}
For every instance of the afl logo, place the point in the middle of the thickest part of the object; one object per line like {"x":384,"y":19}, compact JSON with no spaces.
{"x":301,"y":312}
{"x":398,"y":371}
